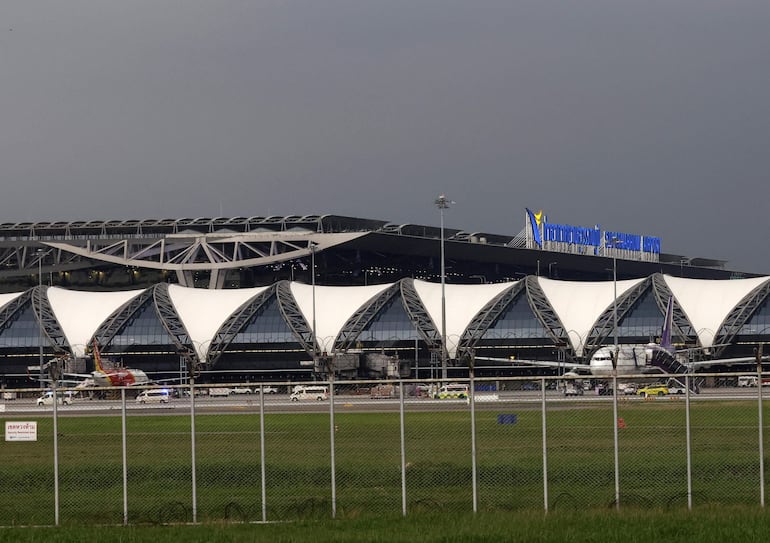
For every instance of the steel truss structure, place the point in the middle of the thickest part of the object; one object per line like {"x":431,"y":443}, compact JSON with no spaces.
{"x":212,"y":251}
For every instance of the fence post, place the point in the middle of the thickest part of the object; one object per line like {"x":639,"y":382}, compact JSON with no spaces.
{"x":615,"y":446}
{"x":55,"y":453}
{"x":262,"y":451}
{"x":403,"y":447}
{"x":193,"y":459}
{"x":761,"y":429}
{"x":688,"y":436}
{"x":474,"y":466}
{"x":331,"y":442}
{"x":124,"y":447}
{"x":545,"y":445}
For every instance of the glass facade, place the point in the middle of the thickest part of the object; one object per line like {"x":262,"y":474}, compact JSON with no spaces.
{"x":517,"y":321}
{"x":643,"y":323}
{"x":759,"y":323}
{"x":144,"y":328}
{"x":22,"y":331}
{"x":267,"y":326}
{"x":392,"y":323}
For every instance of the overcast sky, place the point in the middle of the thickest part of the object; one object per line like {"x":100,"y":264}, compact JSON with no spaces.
{"x":648,"y":116}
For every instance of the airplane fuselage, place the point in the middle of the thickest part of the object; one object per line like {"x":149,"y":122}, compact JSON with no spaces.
{"x":632,"y":359}
{"x":122,"y":377}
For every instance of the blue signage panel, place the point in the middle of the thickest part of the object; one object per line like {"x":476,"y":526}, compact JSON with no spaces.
{"x":544,"y":231}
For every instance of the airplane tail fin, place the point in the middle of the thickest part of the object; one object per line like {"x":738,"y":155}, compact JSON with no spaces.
{"x":97,"y":358}
{"x":668,"y":323}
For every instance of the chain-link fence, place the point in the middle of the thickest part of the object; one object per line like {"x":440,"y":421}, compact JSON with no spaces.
{"x":251,"y":452}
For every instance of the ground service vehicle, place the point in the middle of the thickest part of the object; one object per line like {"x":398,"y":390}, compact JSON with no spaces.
{"x":627,"y":388}
{"x":572,"y":388}
{"x":452,"y":390}
{"x":157,"y":395}
{"x":747,"y":381}
{"x":309,"y":393}
{"x":220,"y":391}
{"x":241,"y":390}
{"x":47,"y":398}
{"x":267,"y":389}
{"x":676,"y":387}
{"x":653,"y":390}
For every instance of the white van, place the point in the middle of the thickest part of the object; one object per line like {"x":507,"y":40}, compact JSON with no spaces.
{"x":64,"y":398}
{"x":309,"y":393}
{"x":155,"y":395}
{"x":453,"y":390}
{"x":747,"y":381}
{"x":220,"y":391}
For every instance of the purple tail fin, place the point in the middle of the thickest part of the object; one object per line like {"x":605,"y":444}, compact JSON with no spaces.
{"x":665,"y":337}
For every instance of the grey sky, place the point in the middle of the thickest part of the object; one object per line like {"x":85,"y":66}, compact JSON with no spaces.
{"x":648,"y":117}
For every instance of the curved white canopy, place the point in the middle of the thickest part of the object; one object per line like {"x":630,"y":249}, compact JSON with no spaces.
{"x":579,"y":303}
{"x":462,"y":303}
{"x":8,"y":298}
{"x":707,"y":302}
{"x":203,"y":311}
{"x":333,"y":307}
{"x":81,"y":312}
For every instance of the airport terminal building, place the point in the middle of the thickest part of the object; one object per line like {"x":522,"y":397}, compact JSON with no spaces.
{"x":294,"y":298}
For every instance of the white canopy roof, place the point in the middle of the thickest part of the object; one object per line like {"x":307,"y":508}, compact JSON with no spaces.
{"x":203,"y":311}
{"x":707,"y":302}
{"x":578,"y":304}
{"x":333,"y":307}
{"x":81,"y":312}
{"x":8,"y":298}
{"x":462,"y":303}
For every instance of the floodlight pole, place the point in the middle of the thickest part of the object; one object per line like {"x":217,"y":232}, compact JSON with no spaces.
{"x":615,"y":301}
{"x":312,"y":283}
{"x":40,"y":315}
{"x":761,"y":428}
{"x":615,"y":373}
{"x":442,"y":203}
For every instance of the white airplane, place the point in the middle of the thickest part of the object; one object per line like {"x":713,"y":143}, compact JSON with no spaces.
{"x":632,"y":360}
{"x":635,"y":359}
{"x":100,"y":377}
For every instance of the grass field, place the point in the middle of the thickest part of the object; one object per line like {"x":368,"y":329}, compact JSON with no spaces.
{"x":708,"y":525}
{"x":439,"y":474}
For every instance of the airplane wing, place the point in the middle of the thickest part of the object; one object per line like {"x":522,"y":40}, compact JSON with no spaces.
{"x":517,"y":362}
{"x":744,"y":360}
{"x":79,"y":375}
{"x":706,"y":350}
{"x":180,"y":380}
{"x":34,"y":371}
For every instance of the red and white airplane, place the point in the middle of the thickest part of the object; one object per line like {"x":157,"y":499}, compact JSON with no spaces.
{"x":115,"y":377}
{"x":102,"y":376}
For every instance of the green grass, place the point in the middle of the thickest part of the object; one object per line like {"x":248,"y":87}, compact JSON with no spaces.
{"x":368,"y":465}
{"x":703,"y":525}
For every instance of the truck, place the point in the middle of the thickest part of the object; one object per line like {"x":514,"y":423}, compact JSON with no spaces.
{"x":220,"y":391}
{"x":382,"y":391}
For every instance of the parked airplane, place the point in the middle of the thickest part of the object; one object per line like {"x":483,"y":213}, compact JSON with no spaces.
{"x":634,"y":359}
{"x":100,"y":377}
{"x":116,"y":377}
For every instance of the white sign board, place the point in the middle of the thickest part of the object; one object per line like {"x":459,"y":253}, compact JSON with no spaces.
{"x":21,"y":431}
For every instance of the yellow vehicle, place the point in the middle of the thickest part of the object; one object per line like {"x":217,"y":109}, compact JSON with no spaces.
{"x":653,"y":390}
{"x":453,"y":390}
